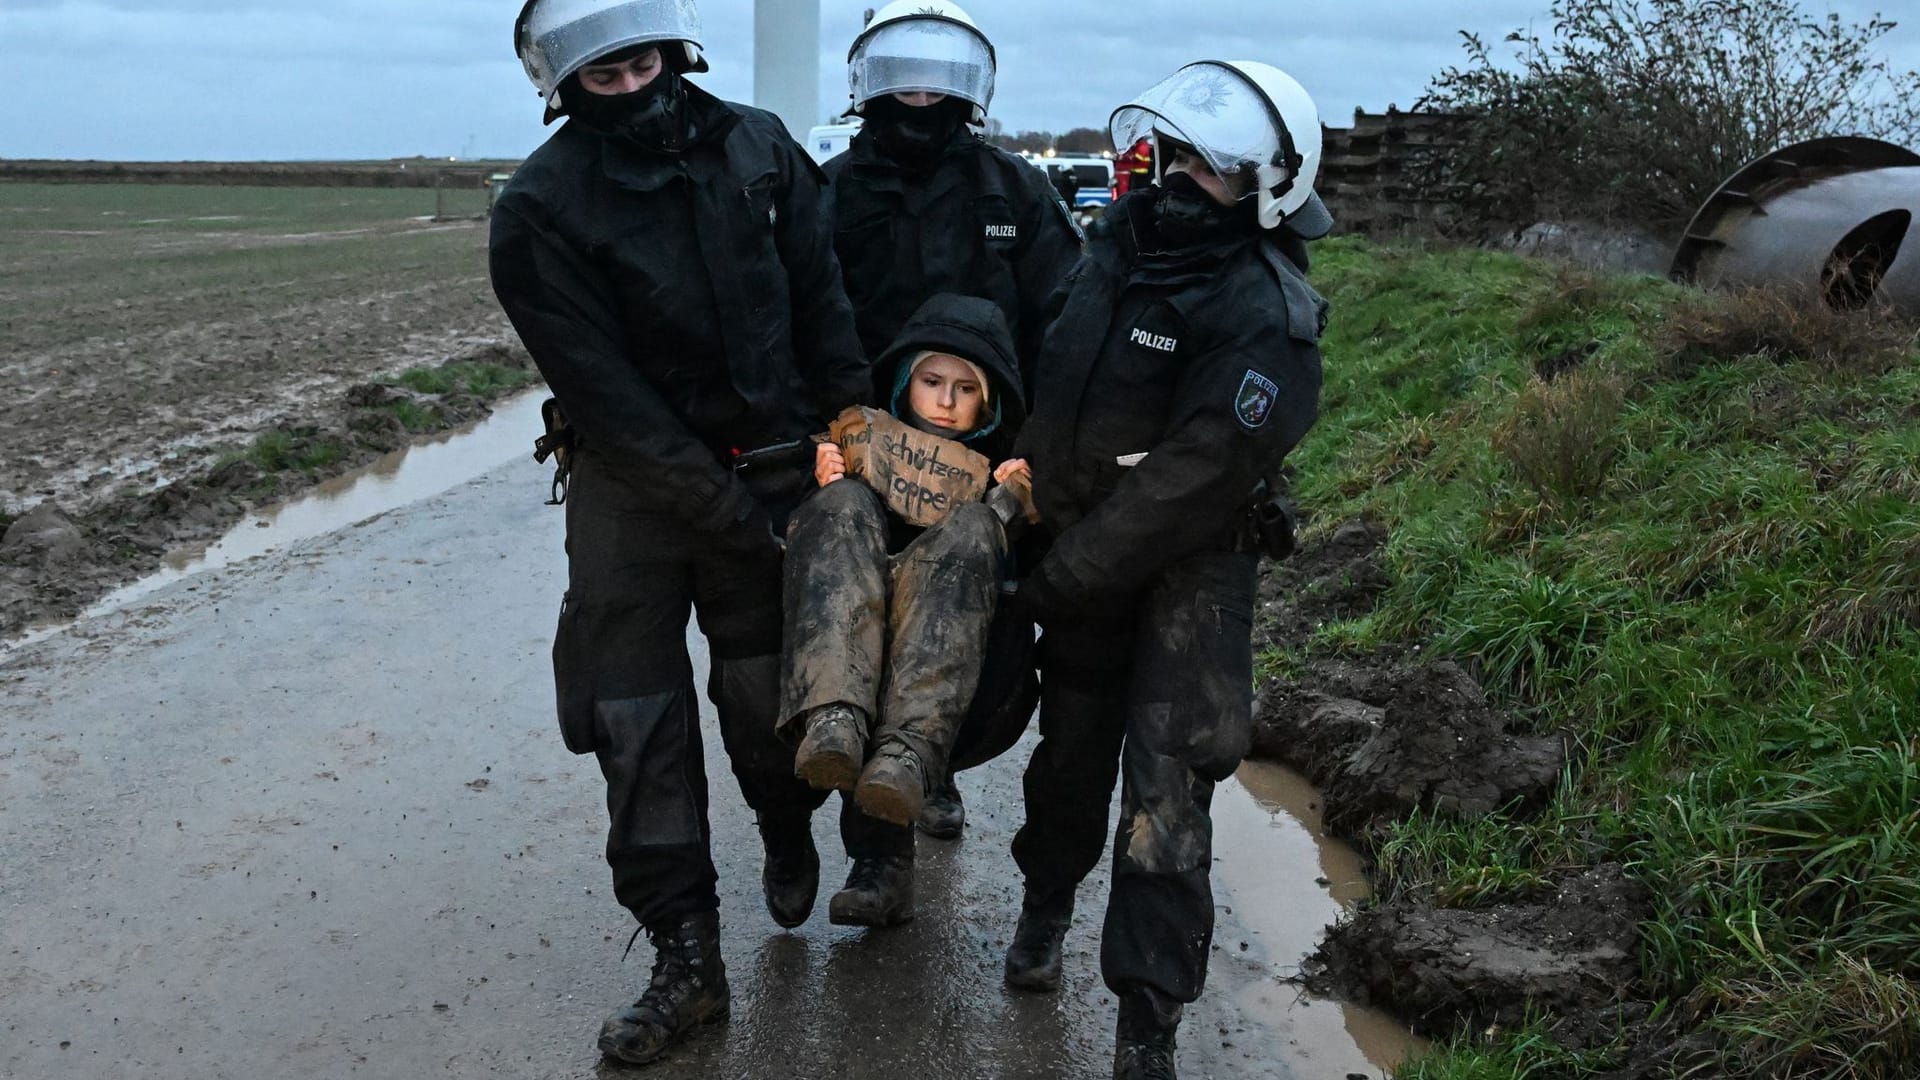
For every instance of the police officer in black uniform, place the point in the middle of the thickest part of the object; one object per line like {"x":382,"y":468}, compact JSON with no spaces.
{"x":664,"y":259}
{"x":1182,"y":369}
{"x":921,"y":205}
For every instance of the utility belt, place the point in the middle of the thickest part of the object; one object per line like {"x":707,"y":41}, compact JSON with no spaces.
{"x":561,"y":442}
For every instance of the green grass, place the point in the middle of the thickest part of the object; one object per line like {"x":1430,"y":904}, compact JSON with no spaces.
{"x":1697,"y":551}
{"x":280,"y":451}
{"x":416,"y":417}
{"x":485,"y":380}
{"x":1526,"y":1054}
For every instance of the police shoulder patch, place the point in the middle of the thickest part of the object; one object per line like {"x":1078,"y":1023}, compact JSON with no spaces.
{"x":1253,"y":403}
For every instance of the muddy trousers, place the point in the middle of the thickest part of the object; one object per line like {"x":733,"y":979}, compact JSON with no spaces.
{"x":625,"y":685}
{"x":901,"y":638}
{"x":1164,"y":701}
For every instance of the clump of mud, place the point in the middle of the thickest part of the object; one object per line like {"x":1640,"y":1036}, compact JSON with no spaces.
{"x":1338,"y":577}
{"x":1383,"y":737}
{"x":1572,"y":952}
{"x":54,"y":562}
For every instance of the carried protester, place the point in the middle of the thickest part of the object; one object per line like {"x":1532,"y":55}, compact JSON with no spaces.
{"x":664,"y":258}
{"x":921,"y":204}
{"x":1183,"y":367}
{"x":893,"y":577}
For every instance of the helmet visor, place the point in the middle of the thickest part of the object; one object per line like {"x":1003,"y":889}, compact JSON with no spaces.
{"x":558,"y":37}
{"x":922,"y":55}
{"x":1212,"y":109}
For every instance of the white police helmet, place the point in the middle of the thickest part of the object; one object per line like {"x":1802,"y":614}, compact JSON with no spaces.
{"x":1251,"y":122}
{"x":922,"y":45}
{"x":555,"y":38}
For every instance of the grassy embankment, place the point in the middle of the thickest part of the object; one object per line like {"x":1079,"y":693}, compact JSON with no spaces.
{"x":1696,"y":549}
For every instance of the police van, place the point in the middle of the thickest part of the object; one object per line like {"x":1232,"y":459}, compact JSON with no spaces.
{"x":1093,"y":175}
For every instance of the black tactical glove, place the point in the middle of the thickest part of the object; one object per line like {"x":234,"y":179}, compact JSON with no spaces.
{"x":750,"y":536}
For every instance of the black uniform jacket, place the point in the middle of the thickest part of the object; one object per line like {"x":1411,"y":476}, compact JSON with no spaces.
{"x":1205,"y":361}
{"x":680,"y":306}
{"x":981,"y":223}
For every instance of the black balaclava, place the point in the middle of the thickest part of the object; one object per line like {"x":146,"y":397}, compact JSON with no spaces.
{"x":914,"y":135}
{"x":1185,"y":215}
{"x":653,"y":117}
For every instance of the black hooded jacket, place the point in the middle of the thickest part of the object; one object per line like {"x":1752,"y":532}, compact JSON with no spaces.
{"x":972,"y":329}
{"x":1204,"y":360}
{"x":681,"y":306}
{"x":981,"y":222}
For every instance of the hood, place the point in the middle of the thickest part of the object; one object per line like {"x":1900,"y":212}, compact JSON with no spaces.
{"x":972,"y":329}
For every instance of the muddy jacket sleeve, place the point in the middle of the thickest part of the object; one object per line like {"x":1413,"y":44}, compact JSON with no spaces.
{"x":1238,"y":410}
{"x":825,"y":342}
{"x":563,"y":308}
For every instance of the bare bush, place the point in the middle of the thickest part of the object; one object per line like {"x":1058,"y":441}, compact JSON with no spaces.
{"x":1635,"y":110}
{"x":1562,"y":436}
{"x":1785,"y":327}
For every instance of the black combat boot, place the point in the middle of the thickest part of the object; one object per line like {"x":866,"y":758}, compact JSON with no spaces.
{"x":879,"y":892}
{"x":689,"y":988}
{"x":1033,"y":959}
{"x":1143,"y":1046}
{"x":833,"y":749}
{"x":790,"y":878}
{"x":943,"y":815}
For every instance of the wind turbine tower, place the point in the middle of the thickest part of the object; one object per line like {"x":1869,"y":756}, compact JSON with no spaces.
{"x":786,"y":61}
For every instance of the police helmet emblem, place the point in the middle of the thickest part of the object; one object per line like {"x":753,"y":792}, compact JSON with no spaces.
{"x":1254,"y":402}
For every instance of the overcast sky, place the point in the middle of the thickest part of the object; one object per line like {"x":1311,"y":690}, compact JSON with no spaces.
{"x":331,"y":79}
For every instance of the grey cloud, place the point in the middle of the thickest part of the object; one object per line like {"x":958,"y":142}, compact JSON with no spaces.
{"x":375,"y":78}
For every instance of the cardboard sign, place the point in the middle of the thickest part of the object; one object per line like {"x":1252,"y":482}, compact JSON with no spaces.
{"x":921,"y":477}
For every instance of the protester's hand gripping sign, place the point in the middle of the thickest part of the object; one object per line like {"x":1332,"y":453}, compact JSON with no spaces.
{"x":921,"y":477}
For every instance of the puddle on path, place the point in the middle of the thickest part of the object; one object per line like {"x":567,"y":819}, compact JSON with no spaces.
{"x":1274,"y":857}
{"x":407,"y":475}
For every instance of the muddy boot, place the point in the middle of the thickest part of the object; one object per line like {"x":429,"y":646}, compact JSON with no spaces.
{"x":790,"y":878}
{"x":1143,"y":1047}
{"x":879,"y":892}
{"x":833,"y":749}
{"x":893,"y":787}
{"x":943,"y":815}
{"x":689,"y":988}
{"x":1033,"y":959}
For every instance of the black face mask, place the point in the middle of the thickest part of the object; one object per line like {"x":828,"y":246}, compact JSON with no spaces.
{"x":1184,"y":214}
{"x":652,"y":117}
{"x":914,"y":135}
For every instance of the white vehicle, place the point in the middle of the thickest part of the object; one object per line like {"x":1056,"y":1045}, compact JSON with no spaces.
{"x":1093,"y":174}
{"x":825,"y":141}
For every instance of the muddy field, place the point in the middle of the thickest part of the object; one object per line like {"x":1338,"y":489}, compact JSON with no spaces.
{"x":153,"y":333}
